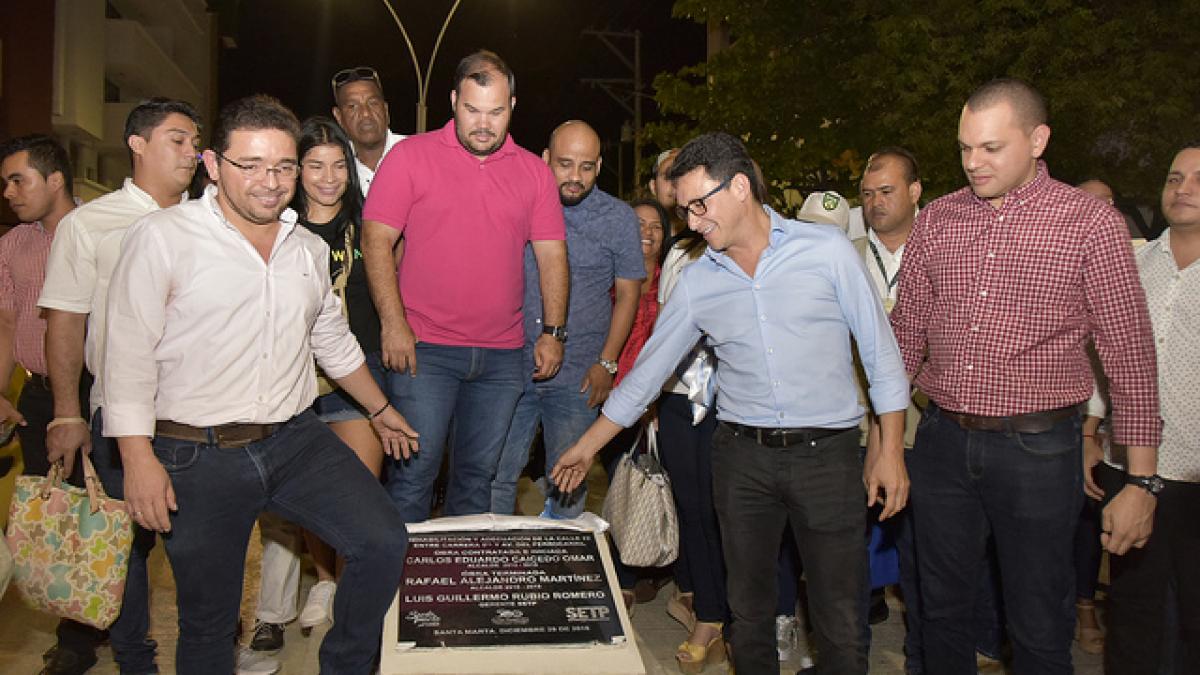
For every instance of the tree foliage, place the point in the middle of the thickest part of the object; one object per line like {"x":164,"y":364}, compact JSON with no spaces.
{"x":813,"y":87}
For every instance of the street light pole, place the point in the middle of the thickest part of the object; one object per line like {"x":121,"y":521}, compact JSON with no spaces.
{"x":422,"y":81}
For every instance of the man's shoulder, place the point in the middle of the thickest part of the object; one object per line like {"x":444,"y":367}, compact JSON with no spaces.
{"x":600,"y":204}
{"x":115,"y":210}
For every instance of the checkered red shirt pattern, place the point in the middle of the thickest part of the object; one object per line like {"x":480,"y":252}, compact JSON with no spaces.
{"x":996,"y":306}
{"x":23,"y":254}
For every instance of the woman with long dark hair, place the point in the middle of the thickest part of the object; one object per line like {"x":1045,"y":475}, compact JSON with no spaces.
{"x":329,"y":203}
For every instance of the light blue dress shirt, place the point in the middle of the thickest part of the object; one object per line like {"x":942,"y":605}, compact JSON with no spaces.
{"x":782,"y":337}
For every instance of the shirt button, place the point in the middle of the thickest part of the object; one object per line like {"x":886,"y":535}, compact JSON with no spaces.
{"x":770,"y":350}
{"x":757,"y":286}
{"x":1000,"y":218}
{"x":780,"y":415}
{"x":776,"y":383}
{"x":991,"y":255}
{"x":970,"y":367}
{"x":983,"y":294}
{"x":975,"y":328}
{"x":763,"y":317}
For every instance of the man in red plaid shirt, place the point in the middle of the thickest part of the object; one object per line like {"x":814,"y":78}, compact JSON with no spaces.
{"x":1002,"y":285}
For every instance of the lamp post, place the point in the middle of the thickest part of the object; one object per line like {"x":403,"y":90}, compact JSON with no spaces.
{"x":422,"y":81}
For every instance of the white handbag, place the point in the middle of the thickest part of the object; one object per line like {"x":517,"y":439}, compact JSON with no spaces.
{"x":641,"y":508}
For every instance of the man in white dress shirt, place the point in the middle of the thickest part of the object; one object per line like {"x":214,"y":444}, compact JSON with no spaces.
{"x":215,"y":312}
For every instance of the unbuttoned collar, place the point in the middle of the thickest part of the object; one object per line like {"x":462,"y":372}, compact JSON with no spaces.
{"x":778,"y":234}
{"x":287,"y":219}
{"x":448,"y":135}
{"x":142,"y":197}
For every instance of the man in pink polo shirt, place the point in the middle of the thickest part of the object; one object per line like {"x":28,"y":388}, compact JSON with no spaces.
{"x":467,"y":200}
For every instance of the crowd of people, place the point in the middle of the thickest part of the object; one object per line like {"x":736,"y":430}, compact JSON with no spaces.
{"x":341,"y":310}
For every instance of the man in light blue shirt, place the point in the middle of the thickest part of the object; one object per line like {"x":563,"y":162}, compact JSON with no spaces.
{"x":778,"y":300}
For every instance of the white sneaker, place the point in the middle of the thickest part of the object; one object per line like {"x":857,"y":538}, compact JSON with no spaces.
{"x":785,"y":636}
{"x":318,"y":608}
{"x":255,"y":663}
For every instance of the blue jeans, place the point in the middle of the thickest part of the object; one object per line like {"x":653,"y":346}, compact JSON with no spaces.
{"x":564,"y":415}
{"x":466,"y":394}
{"x":1026,"y":490}
{"x":304,"y":474}
{"x":133,"y":650}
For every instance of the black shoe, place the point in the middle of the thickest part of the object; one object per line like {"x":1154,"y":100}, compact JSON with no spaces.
{"x":66,"y":662}
{"x":879,"y":609}
{"x":268,"y":637}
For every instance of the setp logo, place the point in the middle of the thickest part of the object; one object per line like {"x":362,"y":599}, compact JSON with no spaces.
{"x":587,"y":614}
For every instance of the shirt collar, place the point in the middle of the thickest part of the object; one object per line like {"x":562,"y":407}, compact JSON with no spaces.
{"x":777,"y":235}
{"x":1030,"y":190}
{"x":389,"y":141}
{"x":142,"y":197}
{"x":287,"y":219}
{"x":882,"y":248}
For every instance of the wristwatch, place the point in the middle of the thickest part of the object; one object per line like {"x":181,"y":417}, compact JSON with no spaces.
{"x":609,"y":365}
{"x":1152,"y":484}
{"x":557,"y":332}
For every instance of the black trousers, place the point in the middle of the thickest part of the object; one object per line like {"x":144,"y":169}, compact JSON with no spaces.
{"x":818,"y":488}
{"x":37,"y":405}
{"x":1140,"y":580}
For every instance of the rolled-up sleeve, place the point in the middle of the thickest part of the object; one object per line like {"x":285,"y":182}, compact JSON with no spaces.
{"x":334,"y":346}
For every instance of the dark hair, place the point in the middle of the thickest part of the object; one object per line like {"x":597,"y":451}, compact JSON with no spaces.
{"x":1028,"y":104}
{"x":902,"y":155}
{"x":721,"y":156}
{"x":480,"y":67}
{"x":320,"y":130}
{"x":147,"y":115}
{"x":664,"y":221}
{"x":1190,"y":145}
{"x":46,"y":155}
{"x":253,"y":112}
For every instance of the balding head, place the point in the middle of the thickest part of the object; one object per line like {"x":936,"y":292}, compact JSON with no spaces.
{"x":1027,"y":104}
{"x":574,"y":156}
{"x":1098,"y":189}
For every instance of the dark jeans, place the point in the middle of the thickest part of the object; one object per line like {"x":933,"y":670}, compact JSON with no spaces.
{"x":687,"y":455}
{"x":987,"y":622}
{"x":1025,"y":489}
{"x":819,"y":489}
{"x":1141,"y":580}
{"x":304,"y":474}
{"x":133,"y":650}
{"x":476,"y":391}
{"x":36,"y":403}
{"x":1087,"y":550}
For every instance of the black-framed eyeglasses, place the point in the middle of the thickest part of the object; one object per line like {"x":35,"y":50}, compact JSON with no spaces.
{"x":697,"y":207}
{"x":285,"y":170}
{"x":348,"y":75}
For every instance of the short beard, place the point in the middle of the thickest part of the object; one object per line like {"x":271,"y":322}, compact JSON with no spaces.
{"x":486,"y":151}
{"x":573,"y":201}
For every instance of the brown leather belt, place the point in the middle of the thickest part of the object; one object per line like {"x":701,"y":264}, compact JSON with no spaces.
{"x":774,"y":437}
{"x":1028,"y":423}
{"x":225,"y":435}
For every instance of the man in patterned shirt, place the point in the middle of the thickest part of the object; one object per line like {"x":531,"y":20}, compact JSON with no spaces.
{"x":1003,"y":283}
{"x":1141,"y":578}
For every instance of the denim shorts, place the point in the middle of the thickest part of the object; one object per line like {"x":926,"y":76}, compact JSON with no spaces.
{"x":338,"y":406}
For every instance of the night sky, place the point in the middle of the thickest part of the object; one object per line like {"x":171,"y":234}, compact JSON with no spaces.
{"x":291,"y":48}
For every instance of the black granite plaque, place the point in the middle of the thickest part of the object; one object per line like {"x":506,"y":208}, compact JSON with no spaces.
{"x":519,"y":587}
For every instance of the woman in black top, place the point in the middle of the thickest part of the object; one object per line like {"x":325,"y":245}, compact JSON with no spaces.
{"x":329,"y":202}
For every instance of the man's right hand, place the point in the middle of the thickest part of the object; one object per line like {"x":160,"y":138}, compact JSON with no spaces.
{"x":149,"y":496}
{"x":399,"y":349}
{"x":64,"y":440}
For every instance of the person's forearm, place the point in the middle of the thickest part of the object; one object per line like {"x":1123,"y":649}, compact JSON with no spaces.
{"x":598,"y":435}
{"x":377,"y":242}
{"x":554,"y":280}
{"x":1091,"y":425}
{"x":8,"y":360}
{"x":624,"y":312}
{"x":362,"y":388}
{"x":1141,"y":460}
{"x":891,"y":431}
{"x":135,"y":449}
{"x":65,"y":333}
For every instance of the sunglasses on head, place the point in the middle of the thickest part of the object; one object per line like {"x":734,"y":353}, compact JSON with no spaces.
{"x":356,"y":74}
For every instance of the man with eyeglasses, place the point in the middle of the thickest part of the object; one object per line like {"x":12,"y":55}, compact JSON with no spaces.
{"x":778,"y":301}
{"x":468,"y":200}
{"x":216,"y":310}
{"x":360,"y":109}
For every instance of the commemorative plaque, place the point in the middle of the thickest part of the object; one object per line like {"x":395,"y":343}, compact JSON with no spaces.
{"x":506,"y":588}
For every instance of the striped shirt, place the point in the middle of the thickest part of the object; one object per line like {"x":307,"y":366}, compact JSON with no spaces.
{"x":23,"y":253}
{"x":997,"y":304}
